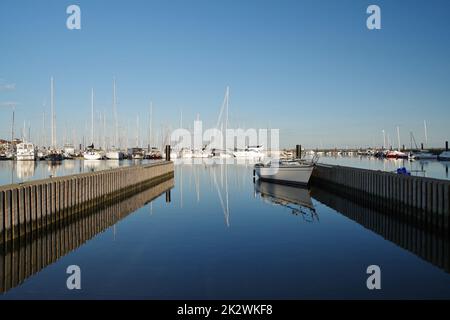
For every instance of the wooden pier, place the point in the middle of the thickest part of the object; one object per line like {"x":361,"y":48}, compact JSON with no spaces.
{"x":27,"y":207}
{"x":23,"y":257}
{"x":427,"y":197}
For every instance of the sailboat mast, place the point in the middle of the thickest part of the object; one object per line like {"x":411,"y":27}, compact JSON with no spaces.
{"x":52,"y":113}
{"x":226,"y":116}
{"x":116,"y":133}
{"x":12,"y":126}
{"x":43,"y":142}
{"x":150,"y":125}
{"x":398,"y":137}
{"x":92,"y":115}
{"x":426,"y":133}
{"x":137,"y":131}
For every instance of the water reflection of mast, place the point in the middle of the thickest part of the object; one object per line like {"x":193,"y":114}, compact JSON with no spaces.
{"x":197,"y":184}
{"x":225,"y":206}
{"x":181,"y":186}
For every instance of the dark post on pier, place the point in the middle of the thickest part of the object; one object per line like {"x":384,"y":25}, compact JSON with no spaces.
{"x":446,"y":145}
{"x":167,"y":152}
{"x":298,"y":151}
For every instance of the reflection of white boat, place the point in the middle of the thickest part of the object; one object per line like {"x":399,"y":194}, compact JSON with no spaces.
{"x":92,"y":165}
{"x":25,"y":151}
{"x":25,"y":169}
{"x":286,"y":196}
{"x":111,"y":164}
{"x":286,"y":171}
{"x":422,"y":155}
{"x":250,"y":152}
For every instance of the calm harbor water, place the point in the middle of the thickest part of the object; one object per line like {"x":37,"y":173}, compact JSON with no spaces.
{"x":223,"y":236}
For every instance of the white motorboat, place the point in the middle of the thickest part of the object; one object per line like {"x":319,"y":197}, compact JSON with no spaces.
{"x":136,"y":153}
{"x":25,"y":152}
{"x":255,"y":152}
{"x":69,"y":151}
{"x":6,"y":155}
{"x":445,"y":155}
{"x":153,"y":153}
{"x":42,"y":154}
{"x":114,"y":155}
{"x":186,"y":153}
{"x":421,"y":155}
{"x":296,"y":172}
{"x":201,"y":154}
{"x":92,"y":154}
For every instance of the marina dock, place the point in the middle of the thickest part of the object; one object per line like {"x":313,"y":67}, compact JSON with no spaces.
{"x":20,"y":259}
{"x":31,"y":206}
{"x":426,"y":198}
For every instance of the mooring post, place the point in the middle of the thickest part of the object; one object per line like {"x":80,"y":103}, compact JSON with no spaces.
{"x":446,"y":145}
{"x":167,"y":152}
{"x":298,"y":151}
{"x":421,"y":146}
{"x":168,"y":194}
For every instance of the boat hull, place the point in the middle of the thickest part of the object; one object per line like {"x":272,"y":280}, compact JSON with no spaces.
{"x":248,"y":154}
{"x":286,"y":175}
{"x":25,"y":157}
{"x":114,"y":155}
{"x":444,"y":155}
{"x":92,"y":156}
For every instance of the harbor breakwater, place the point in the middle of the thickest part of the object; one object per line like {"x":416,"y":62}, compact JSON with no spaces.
{"x":25,"y":256}
{"x":31,"y":206}
{"x":427,"y":199}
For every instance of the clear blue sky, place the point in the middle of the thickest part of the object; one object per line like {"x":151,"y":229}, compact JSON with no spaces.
{"x":310,"y":68}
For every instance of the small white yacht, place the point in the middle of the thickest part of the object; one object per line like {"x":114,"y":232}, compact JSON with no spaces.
{"x":136,"y":153}
{"x":186,"y":153}
{"x":295,"y":172}
{"x":114,"y":154}
{"x":69,"y":151}
{"x":253,"y":152}
{"x":153,"y":154}
{"x":25,"y":152}
{"x":445,"y":155}
{"x":93,"y":154}
{"x":201,"y":154}
{"x":421,"y":155}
